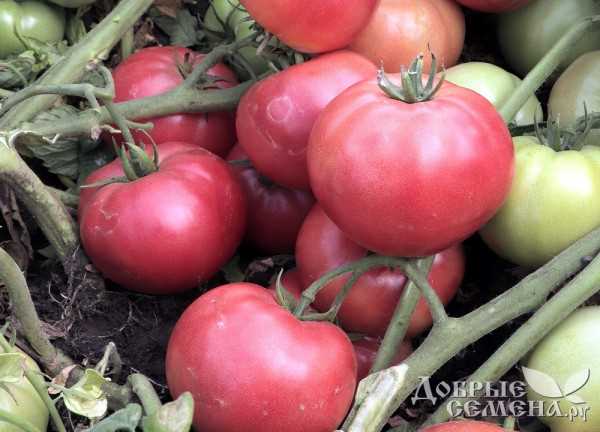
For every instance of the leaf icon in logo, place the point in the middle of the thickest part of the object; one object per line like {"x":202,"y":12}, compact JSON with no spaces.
{"x":542,"y":383}
{"x":577,"y":381}
{"x":574,"y":399}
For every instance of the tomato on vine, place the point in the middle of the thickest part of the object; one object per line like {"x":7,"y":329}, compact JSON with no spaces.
{"x":430,"y":164}
{"x":253,"y":366}
{"x":464,"y":426}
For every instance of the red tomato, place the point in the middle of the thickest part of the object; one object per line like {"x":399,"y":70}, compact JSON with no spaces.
{"x":464,"y":426}
{"x":322,"y":247}
{"x":276,"y":115}
{"x":254,"y":367}
{"x":366,"y":351}
{"x":312,"y":26}
{"x":410,"y":179}
{"x":292,"y":282}
{"x":400,"y":30}
{"x":156,"y":70}
{"x":275,"y":213}
{"x":494,"y":5}
{"x":167,"y":231}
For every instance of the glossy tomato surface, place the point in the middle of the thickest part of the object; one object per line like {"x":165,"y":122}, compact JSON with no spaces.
{"x":168,"y":231}
{"x":31,"y":19}
{"x":275,"y":213}
{"x":528,"y":33}
{"x":406,"y":179}
{"x":366,"y":352}
{"x":156,"y":70}
{"x":496,"y":85}
{"x":276,"y":115}
{"x":464,"y":426}
{"x":252,"y":366}
{"x":400,"y":30}
{"x":569,"y":355}
{"x":554,"y":201}
{"x":322,"y":247}
{"x":312,"y":26}
{"x":493,"y":5}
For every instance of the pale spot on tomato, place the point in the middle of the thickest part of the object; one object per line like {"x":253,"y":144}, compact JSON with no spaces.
{"x":280,"y":109}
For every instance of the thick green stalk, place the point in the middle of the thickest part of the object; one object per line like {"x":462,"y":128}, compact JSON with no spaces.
{"x":145,"y":392}
{"x":371,"y":413}
{"x":546,"y":66}
{"x":94,"y":46}
{"x":50,"y":214}
{"x":559,"y":307}
{"x":396,"y":331}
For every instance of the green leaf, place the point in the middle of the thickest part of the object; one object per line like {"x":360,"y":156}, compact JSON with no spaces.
{"x":11,"y":368}
{"x":126,"y":419}
{"x":86,"y":398}
{"x":232,"y":271}
{"x":182,"y":30}
{"x":173,"y":417}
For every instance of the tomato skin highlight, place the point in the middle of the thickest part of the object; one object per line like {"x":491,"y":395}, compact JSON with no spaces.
{"x":366,"y":352}
{"x":275,"y":213}
{"x":252,"y":366}
{"x":34,"y":19}
{"x":464,"y":426}
{"x":399,"y":30}
{"x":554,"y":201}
{"x":153,"y":71}
{"x":368,"y":309}
{"x":312,"y":26}
{"x":276,"y":115}
{"x":495,"y":6}
{"x":430,"y":174}
{"x":168,"y":231}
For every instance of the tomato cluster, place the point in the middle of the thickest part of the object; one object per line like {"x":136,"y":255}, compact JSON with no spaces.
{"x":331,"y":160}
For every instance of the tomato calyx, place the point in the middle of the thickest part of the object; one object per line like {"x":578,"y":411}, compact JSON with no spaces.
{"x":562,"y":139}
{"x":136,"y":162}
{"x":411,"y":89}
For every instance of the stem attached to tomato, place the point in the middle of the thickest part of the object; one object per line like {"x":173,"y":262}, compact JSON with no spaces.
{"x":143,"y":389}
{"x":454,"y":334}
{"x":411,"y":89}
{"x":396,"y":331}
{"x":71,"y":69}
{"x":36,"y":380}
{"x":546,"y":66}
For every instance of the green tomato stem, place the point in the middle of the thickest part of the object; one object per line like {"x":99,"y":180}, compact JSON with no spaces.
{"x":396,"y":331}
{"x":454,"y":334}
{"x":546,"y":66}
{"x":127,"y":44}
{"x":144,"y":390}
{"x":36,"y":380}
{"x":552,"y":313}
{"x":95,"y":45}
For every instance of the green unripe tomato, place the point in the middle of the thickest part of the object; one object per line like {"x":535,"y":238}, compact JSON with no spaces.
{"x":496,"y":85}
{"x":528,"y":33}
{"x":576,"y":87}
{"x":565,"y":355}
{"x":23,"y":401}
{"x":237,"y":19}
{"x":73,"y":3}
{"x":33,"y":19}
{"x":554,"y":201}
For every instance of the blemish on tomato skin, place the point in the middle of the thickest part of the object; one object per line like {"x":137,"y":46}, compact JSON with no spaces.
{"x":280,"y":109}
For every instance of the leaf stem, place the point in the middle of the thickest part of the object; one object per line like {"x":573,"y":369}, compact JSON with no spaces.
{"x":144,"y":390}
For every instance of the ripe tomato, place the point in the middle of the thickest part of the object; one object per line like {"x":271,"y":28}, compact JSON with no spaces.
{"x":496,"y":85}
{"x":366,"y":351}
{"x":494,"y":5}
{"x":528,"y":33}
{"x":568,"y":355}
{"x":252,"y":366}
{"x":312,"y":26}
{"x":322,"y":247}
{"x":576,"y":90}
{"x":400,"y":30}
{"x":426,"y":177}
{"x":464,"y":426}
{"x":22,"y":400}
{"x":275,"y":214}
{"x":168,"y":231}
{"x":554,"y":200}
{"x":276,"y":115}
{"x":32,"y":19}
{"x":156,"y":70}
